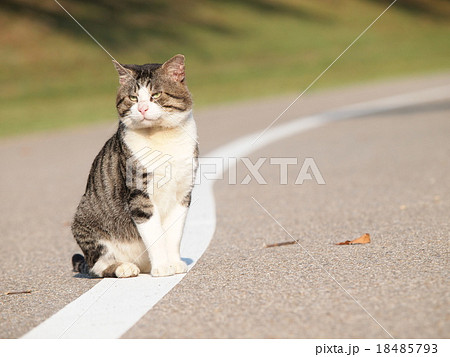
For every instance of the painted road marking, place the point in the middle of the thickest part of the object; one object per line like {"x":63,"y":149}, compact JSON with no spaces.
{"x":113,"y":306}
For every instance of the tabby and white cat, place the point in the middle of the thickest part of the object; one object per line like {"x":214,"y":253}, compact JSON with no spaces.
{"x":125,"y":223}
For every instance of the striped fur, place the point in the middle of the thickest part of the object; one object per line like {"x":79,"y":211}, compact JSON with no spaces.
{"x":124,"y":223}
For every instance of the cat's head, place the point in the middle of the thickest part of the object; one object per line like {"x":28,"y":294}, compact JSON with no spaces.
{"x":153,"y":95}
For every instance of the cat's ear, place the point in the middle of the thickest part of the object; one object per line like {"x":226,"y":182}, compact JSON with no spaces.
{"x":174,"y":68}
{"x":124,"y":73}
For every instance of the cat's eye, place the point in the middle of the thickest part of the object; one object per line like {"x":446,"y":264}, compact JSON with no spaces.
{"x":133,"y":98}
{"x":156,"y":95}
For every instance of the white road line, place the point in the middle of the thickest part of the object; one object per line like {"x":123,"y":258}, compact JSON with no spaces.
{"x":113,"y":306}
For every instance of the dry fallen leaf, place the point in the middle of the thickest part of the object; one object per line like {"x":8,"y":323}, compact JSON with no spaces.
{"x":364,"y":239}
{"x":279,"y":244}
{"x":18,"y":292}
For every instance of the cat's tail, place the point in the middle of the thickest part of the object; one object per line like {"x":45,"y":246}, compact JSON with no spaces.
{"x":79,"y":264}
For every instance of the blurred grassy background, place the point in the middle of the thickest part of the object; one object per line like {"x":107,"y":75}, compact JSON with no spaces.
{"x":53,"y":75}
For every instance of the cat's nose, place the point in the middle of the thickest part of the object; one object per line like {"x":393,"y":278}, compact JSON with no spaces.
{"x":143,"y":107}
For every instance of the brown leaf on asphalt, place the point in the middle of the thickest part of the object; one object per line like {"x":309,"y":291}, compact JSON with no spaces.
{"x":18,"y":292}
{"x":279,"y":244}
{"x":364,"y":239}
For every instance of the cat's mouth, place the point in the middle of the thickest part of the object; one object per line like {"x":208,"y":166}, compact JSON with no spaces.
{"x":151,"y":119}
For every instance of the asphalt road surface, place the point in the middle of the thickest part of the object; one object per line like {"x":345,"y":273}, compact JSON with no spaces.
{"x":386,"y":174}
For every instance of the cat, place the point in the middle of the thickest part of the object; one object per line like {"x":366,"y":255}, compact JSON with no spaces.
{"x":127,"y":222}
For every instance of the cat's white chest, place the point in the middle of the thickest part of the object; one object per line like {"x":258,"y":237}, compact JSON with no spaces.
{"x":168,"y":156}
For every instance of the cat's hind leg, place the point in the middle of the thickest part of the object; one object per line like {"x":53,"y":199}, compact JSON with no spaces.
{"x":121,"y":270}
{"x":107,"y":266}
{"x":106,"y":257}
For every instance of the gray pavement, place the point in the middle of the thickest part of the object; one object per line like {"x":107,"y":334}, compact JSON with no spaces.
{"x":386,"y":175}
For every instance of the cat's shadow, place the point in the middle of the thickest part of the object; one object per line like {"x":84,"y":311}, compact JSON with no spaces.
{"x":188,"y":261}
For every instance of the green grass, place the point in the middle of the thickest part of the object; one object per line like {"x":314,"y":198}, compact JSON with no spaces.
{"x":53,"y":75}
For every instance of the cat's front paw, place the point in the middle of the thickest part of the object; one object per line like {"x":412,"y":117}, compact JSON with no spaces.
{"x":179,"y":266}
{"x":163,"y":270}
{"x":127,"y":270}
